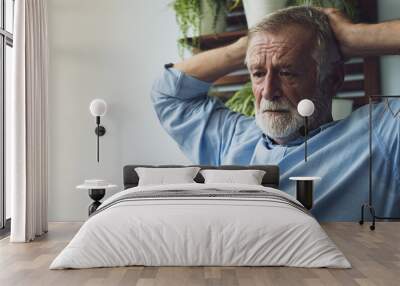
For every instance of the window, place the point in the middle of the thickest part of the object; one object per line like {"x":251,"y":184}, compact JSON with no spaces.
{"x":6,"y":60}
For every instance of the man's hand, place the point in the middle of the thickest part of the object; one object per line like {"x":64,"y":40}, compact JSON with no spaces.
{"x":343,"y":29}
{"x":364,"y":39}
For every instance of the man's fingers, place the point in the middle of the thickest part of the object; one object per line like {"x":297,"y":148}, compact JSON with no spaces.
{"x":328,"y":10}
{"x":342,"y":27}
{"x":335,"y":15}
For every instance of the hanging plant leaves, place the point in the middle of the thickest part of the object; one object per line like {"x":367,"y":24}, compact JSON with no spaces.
{"x":189,"y":15}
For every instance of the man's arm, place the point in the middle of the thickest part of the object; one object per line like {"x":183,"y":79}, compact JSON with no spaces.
{"x":213,"y":64}
{"x":202,"y":125}
{"x":364,"y":39}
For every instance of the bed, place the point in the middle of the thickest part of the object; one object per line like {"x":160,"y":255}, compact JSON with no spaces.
{"x":198,"y":224}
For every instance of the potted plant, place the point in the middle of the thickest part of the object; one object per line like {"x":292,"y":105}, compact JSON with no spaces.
{"x":199,"y":17}
{"x":255,"y":10}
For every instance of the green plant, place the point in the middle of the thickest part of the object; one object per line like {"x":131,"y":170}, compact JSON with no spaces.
{"x":243,"y":101}
{"x":189,"y":14}
{"x":349,"y":7}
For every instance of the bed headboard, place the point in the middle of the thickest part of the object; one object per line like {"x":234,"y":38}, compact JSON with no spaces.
{"x":270,"y":179}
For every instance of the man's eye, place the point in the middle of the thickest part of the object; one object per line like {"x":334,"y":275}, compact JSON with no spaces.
{"x":286,"y":73}
{"x":258,"y":74}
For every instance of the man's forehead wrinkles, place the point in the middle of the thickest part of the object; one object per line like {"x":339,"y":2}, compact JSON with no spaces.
{"x":269,"y":46}
{"x":276,"y":49}
{"x":259,"y":56}
{"x":257,"y":59}
{"x":257,"y":62}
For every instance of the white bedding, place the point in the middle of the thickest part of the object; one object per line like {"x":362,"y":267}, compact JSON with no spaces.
{"x":200,"y":231}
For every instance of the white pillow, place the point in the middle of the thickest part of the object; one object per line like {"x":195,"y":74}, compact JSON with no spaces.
{"x":163,"y":176}
{"x":248,"y":177}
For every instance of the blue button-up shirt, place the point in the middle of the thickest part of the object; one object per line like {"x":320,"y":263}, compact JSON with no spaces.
{"x":338,"y":152}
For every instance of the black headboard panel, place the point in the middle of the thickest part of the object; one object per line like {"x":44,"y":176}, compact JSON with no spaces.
{"x":271,"y":177}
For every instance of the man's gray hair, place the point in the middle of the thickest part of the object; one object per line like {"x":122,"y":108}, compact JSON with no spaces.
{"x":326,"y":50}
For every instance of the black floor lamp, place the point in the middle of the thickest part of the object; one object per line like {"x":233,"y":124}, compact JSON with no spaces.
{"x":369,"y":206}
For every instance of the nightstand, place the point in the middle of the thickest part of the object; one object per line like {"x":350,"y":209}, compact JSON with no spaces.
{"x":304,"y":190}
{"x":96,"y":192}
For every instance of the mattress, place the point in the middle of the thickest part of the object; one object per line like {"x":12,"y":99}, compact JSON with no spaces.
{"x":201,"y":225}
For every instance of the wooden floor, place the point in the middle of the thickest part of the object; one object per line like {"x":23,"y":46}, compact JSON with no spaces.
{"x":374,"y":255}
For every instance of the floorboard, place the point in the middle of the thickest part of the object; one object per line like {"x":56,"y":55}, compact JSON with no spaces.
{"x":374,"y":255}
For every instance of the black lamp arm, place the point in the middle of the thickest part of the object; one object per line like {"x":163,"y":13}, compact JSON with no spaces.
{"x":98,"y":145}
{"x":100,"y":131}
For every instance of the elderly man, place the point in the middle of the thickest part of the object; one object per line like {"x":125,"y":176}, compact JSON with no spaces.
{"x":291,"y":55}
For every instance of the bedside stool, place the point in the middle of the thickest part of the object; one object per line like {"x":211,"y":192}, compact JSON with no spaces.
{"x":304,"y":190}
{"x":96,"y":193}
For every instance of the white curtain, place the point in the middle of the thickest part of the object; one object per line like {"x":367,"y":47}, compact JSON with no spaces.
{"x":28,"y":122}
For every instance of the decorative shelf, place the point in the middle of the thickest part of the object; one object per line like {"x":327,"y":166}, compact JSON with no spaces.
{"x":208,"y":42}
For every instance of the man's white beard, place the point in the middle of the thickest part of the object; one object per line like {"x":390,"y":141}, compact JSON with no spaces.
{"x":278,"y":125}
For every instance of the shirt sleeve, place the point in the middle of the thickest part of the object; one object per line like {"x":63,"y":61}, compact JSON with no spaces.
{"x":386,"y":131}
{"x":201,"y":125}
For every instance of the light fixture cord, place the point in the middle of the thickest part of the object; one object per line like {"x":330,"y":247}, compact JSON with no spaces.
{"x":98,"y":131}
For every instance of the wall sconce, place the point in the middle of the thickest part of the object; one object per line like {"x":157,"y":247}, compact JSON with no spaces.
{"x":98,"y":108}
{"x":305,"y":109}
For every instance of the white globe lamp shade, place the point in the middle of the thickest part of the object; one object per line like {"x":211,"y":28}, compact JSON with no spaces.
{"x":305,"y":107}
{"x":98,"y":107}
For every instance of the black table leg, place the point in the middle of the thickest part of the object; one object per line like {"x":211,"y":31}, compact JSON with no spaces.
{"x":96,"y":195}
{"x":304,"y":193}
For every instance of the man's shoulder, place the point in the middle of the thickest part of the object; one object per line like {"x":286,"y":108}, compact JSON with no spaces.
{"x":384,"y":110}
{"x":383,"y":114}
{"x":377,"y":109}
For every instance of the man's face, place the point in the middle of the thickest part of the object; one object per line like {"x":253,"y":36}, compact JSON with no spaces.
{"x":283,"y":72}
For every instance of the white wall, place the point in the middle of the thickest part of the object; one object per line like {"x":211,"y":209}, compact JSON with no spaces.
{"x":390,"y":65}
{"x":110,"y":49}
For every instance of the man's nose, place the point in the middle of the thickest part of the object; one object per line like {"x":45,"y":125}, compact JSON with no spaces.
{"x":271,"y":86}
